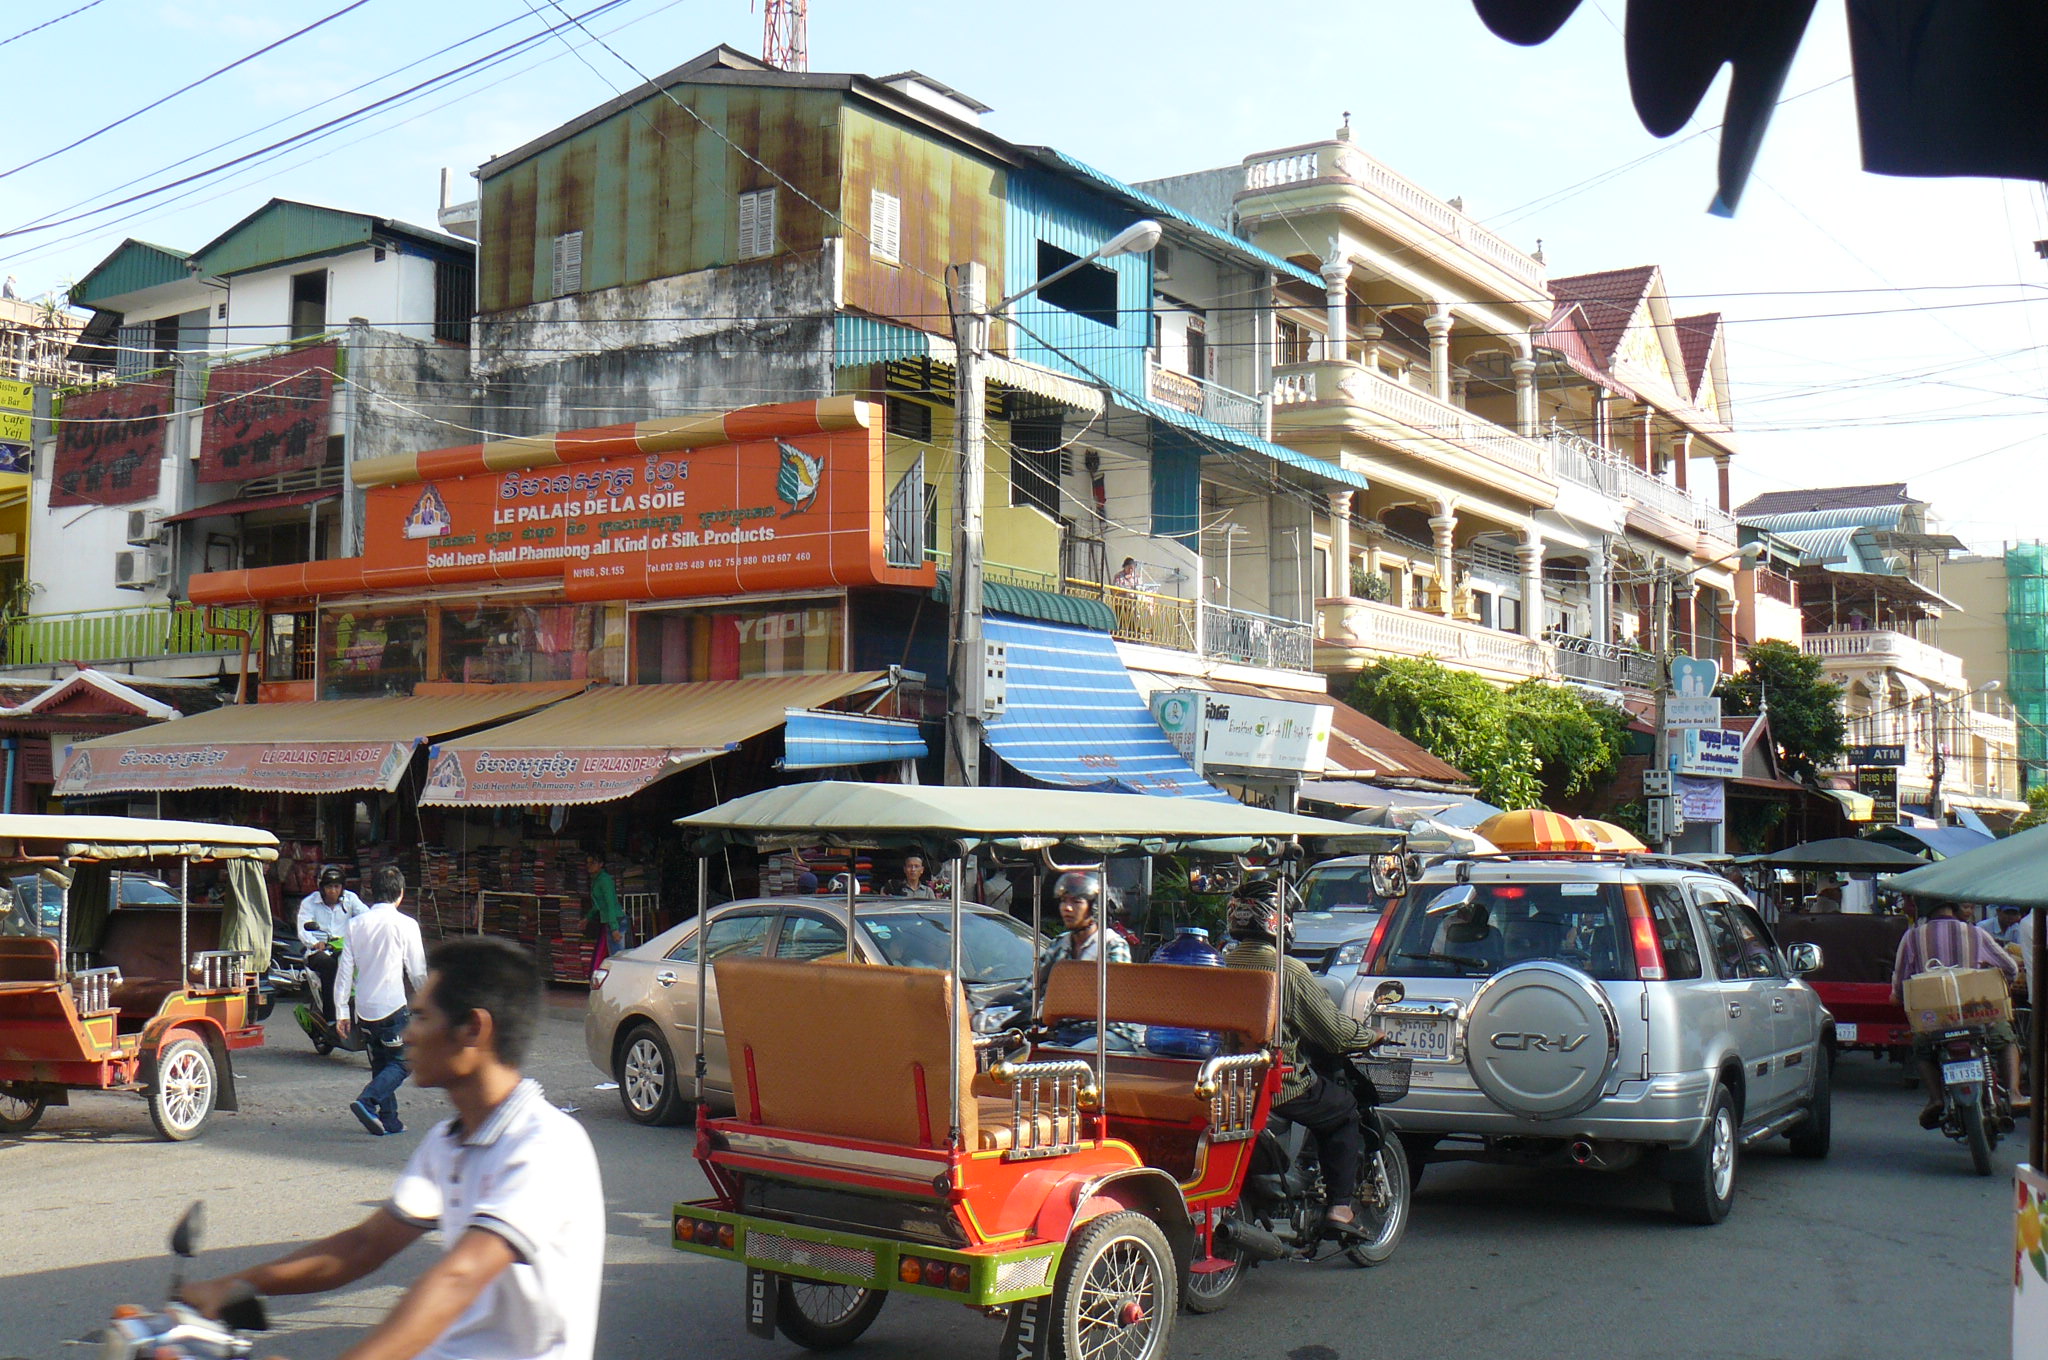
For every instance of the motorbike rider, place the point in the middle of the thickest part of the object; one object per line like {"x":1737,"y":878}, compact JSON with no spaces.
{"x":1085,"y":907}
{"x":1944,"y":937}
{"x":1310,"y":1027}
{"x":322,"y":915}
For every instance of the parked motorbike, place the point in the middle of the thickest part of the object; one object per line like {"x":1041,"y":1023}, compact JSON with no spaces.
{"x":1975,"y":1107}
{"x":287,"y":972}
{"x":325,"y":1035}
{"x":178,"y":1331}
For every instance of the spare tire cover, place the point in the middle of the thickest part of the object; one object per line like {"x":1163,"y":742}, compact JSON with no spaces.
{"x":1541,"y":1039}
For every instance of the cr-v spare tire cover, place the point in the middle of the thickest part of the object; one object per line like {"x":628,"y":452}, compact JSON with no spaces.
{"x":1541,"y":1039}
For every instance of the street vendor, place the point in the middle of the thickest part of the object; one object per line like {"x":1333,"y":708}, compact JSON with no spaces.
{"x":1943,"y":938}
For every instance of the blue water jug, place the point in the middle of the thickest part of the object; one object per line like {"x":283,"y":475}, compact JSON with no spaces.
{"x":1190,"y":945}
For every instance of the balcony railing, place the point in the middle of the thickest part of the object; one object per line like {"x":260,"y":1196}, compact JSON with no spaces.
{"x":1607,"y":664}
{"x":1143,"y":615}
{"x":1340,"y":381}
{"x":1200,"y":397}
{"x":143,"y":633}
{"x":1877,"y":647}
{"x":1578,"y":459}
{"x":904,"y":522}
{"x":1345,"y":162}
{"x":1394,"y":631}
{"x":1255,"y":639}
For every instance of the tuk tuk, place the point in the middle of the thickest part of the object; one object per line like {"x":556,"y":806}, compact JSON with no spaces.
{"x":879,"y":1145}
{"x":144,"y":998}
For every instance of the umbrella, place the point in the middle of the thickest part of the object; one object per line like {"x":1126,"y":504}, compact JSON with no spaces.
{"x":2012,"y":872}
{"x":1840,"y":852}
{"x":1608,"y":836}
{"x":1456,"y":809}
{"x":1535,"y":829}
{"x":1427,"y":835}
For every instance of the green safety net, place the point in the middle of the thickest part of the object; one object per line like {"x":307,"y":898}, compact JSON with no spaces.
{"x":2026,"y":640}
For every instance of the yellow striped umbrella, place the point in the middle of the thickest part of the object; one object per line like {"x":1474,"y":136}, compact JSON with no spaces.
{"x":1535,"y":829}
{"x":1608,"y":836}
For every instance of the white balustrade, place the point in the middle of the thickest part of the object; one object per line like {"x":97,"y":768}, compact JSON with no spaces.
{"x":1880,"y":647}
{"x":1405,"y":632}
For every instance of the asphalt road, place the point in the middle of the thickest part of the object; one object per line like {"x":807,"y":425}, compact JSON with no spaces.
{"x":1889,"y":1248}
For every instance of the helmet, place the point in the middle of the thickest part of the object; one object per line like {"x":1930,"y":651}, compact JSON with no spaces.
{"x":1079,"y":883}
{"x":1256,"y":912}
{"x":331,"y":874}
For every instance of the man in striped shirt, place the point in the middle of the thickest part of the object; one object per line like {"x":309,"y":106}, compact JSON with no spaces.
{"x":1943,"y":937}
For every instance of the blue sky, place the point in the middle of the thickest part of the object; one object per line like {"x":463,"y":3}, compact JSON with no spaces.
{"x":1881,"y":329}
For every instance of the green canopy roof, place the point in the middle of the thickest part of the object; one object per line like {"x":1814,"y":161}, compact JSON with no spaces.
{"x":2012,"y":873}
{"x":1842,"y":852}
{"x":840,"y":812}
{"x":1043,"y":605}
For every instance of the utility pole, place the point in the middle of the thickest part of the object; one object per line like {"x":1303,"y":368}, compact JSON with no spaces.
{"x":1661,"y":605}
{"x":968,"y":662}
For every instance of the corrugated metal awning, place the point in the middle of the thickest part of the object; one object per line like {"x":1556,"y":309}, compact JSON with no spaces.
{"x":1048,"y":605}
{"x":819,"y":741}
{"x":610,"y":743}
{"x":325,"y":746}
{"x":283,"y":500}
{"x":859,"y":340}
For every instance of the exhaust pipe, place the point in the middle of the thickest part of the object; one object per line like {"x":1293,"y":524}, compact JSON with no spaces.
{"x":1582,"y":1153}
{"x":1254,"y":1241}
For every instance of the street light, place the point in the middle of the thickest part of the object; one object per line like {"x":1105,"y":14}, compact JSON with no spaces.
{"x":1934,"y":807}
{"x":1666,"y":580}
{"x":967,"y":663}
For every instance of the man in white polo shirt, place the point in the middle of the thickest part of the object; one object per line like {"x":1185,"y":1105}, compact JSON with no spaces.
{"x":511,"y":1183}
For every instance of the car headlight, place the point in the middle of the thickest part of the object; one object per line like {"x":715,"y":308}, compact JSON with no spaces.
{"x":1349,"y":955}
{"x":994,"y":1020}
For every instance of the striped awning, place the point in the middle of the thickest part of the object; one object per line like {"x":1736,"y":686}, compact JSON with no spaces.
{"x":817,"y":741}
{"x":861,"y":340}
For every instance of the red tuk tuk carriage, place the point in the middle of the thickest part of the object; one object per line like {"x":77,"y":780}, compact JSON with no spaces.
{"x":147,"y":999}
{"x":1078,"y":1193}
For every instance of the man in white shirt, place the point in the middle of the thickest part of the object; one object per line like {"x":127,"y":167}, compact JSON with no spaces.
{"x":511,"y":1183}
{"x":382,"y":963}
{"x":323,"y":915}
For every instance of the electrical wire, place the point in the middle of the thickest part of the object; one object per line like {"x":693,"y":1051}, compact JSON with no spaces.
{"x":90,"y":4}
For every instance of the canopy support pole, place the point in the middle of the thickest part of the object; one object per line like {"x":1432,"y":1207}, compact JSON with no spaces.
{"x":852,"y":893}
{"x":957,"y":998}
{"x":184,"y":915}
{"x":703,"y":967}
{"x":2038,"y":1024}
{"x":1102,"y":1003}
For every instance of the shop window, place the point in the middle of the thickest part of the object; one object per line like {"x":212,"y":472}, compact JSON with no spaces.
{"x":288,"y":646}
{"x":793,"y":637}
{"x":907,"y":419}
{"x":519,"y":642}
{"x":1509,"y":617}
{"x":309,"y":303}
{"x":454,"y":299}
{"x":371,"y":650}
{"x":1295,"y":341}
{"x":1089,"y":291}
{"x":885,"y":227}
{"x":1036,"y":462}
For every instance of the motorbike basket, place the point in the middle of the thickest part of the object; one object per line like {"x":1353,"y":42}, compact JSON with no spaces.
{"x":1389,"y":1078}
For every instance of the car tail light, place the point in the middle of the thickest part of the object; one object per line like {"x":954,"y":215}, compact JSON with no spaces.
{"x":959,"y":1277}
{"x":1371,"y":963}
{"x":1642,"y":931}
{"x":597,"y":977}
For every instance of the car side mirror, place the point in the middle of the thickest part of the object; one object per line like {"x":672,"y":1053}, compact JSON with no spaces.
{"x":1450,"y":899}
{"x":1803,"y":958}
{"x":1389,"y":993}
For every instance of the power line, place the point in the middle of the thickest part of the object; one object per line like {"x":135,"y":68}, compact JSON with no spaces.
{"x":90,"y":4}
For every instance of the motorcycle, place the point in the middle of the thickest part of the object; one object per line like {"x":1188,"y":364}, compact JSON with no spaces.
{"x":179,"y":1331}
{"x":1282,"y":1217}
{"x":1975,"y":1108}
{"x":287,"y":972}
{"x":326,"y":1036}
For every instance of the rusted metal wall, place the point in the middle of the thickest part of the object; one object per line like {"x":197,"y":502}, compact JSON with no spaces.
{"x":656,"y":193}
{"x":952,"y":211}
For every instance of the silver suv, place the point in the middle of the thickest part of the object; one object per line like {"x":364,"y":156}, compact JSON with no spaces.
{"x":1599,"y":1011}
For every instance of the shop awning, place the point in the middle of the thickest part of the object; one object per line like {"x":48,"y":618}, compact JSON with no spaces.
{"x":1859,"y":806}
{"x":326,"y":746}
{"x":283,"y":500}
{"x":820,"y":741}
{"x":610,"y":743}
{"x":1073,"y":717}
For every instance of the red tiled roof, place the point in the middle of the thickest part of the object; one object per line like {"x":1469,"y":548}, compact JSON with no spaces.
{"x":1696,"y":342}
{"x":1826,"y":498}
{"x":1609,"y":300}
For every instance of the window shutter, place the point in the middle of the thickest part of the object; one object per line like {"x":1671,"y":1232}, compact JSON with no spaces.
{"x":757,"y":224}
{"x":568,"y":263}
{"x":885,"y":226}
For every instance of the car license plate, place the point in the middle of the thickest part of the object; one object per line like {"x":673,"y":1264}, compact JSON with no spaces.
{"x":1426,"y":1037}
{"x":1845,"y":1034}
{"x":1442,"y":1078}
{"x":1956,"y":1073}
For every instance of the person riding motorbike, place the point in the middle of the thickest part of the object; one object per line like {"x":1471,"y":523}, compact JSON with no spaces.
{"x":1944,"y":937}
{"x":1085,"y":909}
{"x":322,"y":915}
{"x":1311,"y":1028}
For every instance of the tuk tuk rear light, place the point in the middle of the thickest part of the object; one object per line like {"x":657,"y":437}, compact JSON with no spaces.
{"x":1642,"y":932}
{"x":726,"y":1237}
{"x":597,"y":977}
{"x":935,"y":1274}
{"x":706,"y":1233}
{"x":910,"y":1270}
{"x":959,"y":1277}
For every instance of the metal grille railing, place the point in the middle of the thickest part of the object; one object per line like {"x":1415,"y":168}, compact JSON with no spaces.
{"x":1256,"y":639}
{"x":146,"y":631}
{"x":904,"y":523}
{"x":223,"y":970}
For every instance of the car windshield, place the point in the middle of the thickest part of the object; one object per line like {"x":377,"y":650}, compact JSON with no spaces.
{"x":992,"y":948}
{"x":1339,"y":889}
{"x":1581,"y":924}
{"x":137,"y":891}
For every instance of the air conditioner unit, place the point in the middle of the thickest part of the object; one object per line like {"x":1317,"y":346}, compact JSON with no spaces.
{"x":145,"y":527}
{"x":141,"y":568}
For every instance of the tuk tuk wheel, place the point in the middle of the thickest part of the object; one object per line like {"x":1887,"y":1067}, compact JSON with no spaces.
{"x":823,"y":1317}
{"x":20,"y":1112}
{"x":1117,"y":1290}
{"x":183,"y":1094}
{"x":1211,"y":1291}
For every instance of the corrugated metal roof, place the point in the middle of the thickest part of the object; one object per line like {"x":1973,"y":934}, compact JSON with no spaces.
{"x":1279,"y":453}
{"x":283,"y":230}
{"x":858,"y":340}
{"x":1045,"y":605}
{"x":706,"y":715}
{"x":133,"y":266}
{"x":1860,"y":517}
{"x":410,"y":717}
{"x":1866,"y":497}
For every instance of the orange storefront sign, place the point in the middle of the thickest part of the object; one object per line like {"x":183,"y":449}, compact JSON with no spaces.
{"x":796,"y":500}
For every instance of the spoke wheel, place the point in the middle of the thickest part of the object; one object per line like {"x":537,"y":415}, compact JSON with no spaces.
{"x":1115,"y":1297}
{"x":183,"y":1094}
{"x":648,"y":1084}
{"x":1383,"y":1200}
{"x":19,"y":1112}
{"x":1211,"y":1291}
{"x":822,"y":1317}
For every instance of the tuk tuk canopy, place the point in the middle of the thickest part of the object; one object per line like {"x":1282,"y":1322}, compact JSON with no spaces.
{"x":845,"y":813}
{"x":1844,"y":853}
{"x":2012,"y":873}
{"x":106,"y":839}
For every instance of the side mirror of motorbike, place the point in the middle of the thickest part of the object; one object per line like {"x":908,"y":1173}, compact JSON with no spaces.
{"x":1389,"y":993}
{"x":1803,"y":958}
{"x":1450,"y":899}
{"x":185,"y":1236}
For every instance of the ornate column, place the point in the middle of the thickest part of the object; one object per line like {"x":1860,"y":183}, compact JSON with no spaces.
{"x":1524,"y":369}
{"x":1721,"y":474}
{"x":1645,"y":453}
{"x":1340,"y":541}
{"x":1681,"y":458}
{"x":1603,"y":593}
{"x":1337,"y":286}
{"x":1444,"y":524}
{"x":1370,"y":335}
{"x":1438,"y":324}
{"x":1530,"y":554}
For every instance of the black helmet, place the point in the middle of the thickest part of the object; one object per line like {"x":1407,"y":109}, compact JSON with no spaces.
{"x":1081,"y":883}
{"x":1256,"y":911}
{"x":332,"y":874}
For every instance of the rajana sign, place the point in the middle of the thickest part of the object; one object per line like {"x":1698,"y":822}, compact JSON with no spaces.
{"x":267,"y":415}
{"x":302,"y":767}
{"x":523,"y":777}
{"x":110,"y":443}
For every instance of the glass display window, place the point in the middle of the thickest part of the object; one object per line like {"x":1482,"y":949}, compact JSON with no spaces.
{"x":368,"y":650}
{"x":735,"y":642}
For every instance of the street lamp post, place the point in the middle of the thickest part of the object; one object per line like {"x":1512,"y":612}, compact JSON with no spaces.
{"x":1661,"y":603}
{"x":1940,"y":762}
{"x":967,"y":659}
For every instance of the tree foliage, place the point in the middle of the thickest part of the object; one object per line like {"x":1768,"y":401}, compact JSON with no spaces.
{"x":1804,"y":706}
{"x":1516,"y":744}
{"x":2037,"y":809}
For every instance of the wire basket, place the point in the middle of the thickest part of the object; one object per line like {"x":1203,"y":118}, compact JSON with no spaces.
{"x":1389,"y":1077}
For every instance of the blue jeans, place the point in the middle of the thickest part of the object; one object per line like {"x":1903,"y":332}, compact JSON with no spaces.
{"x":388,"y":1070}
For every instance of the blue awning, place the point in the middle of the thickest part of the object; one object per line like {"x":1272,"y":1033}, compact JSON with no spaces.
{"x":812,"y":740}
{"x":1073,"y":718}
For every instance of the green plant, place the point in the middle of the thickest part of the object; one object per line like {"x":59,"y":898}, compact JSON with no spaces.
{"x":1578,"y":741}
{"x":1368,"y":585}
{"x":2037,"y":809}
{"x":1632,"y":817}
{"x":1176,"y":901}
{"x":1455,"y":715}
{"x":1804,"y":706}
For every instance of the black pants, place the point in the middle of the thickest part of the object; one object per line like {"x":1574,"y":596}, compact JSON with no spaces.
{"x":1328,"y":1111}
{"x":324,"y":963}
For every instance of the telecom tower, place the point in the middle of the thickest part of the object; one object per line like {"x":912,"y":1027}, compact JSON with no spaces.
{"x":783,"y":43}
